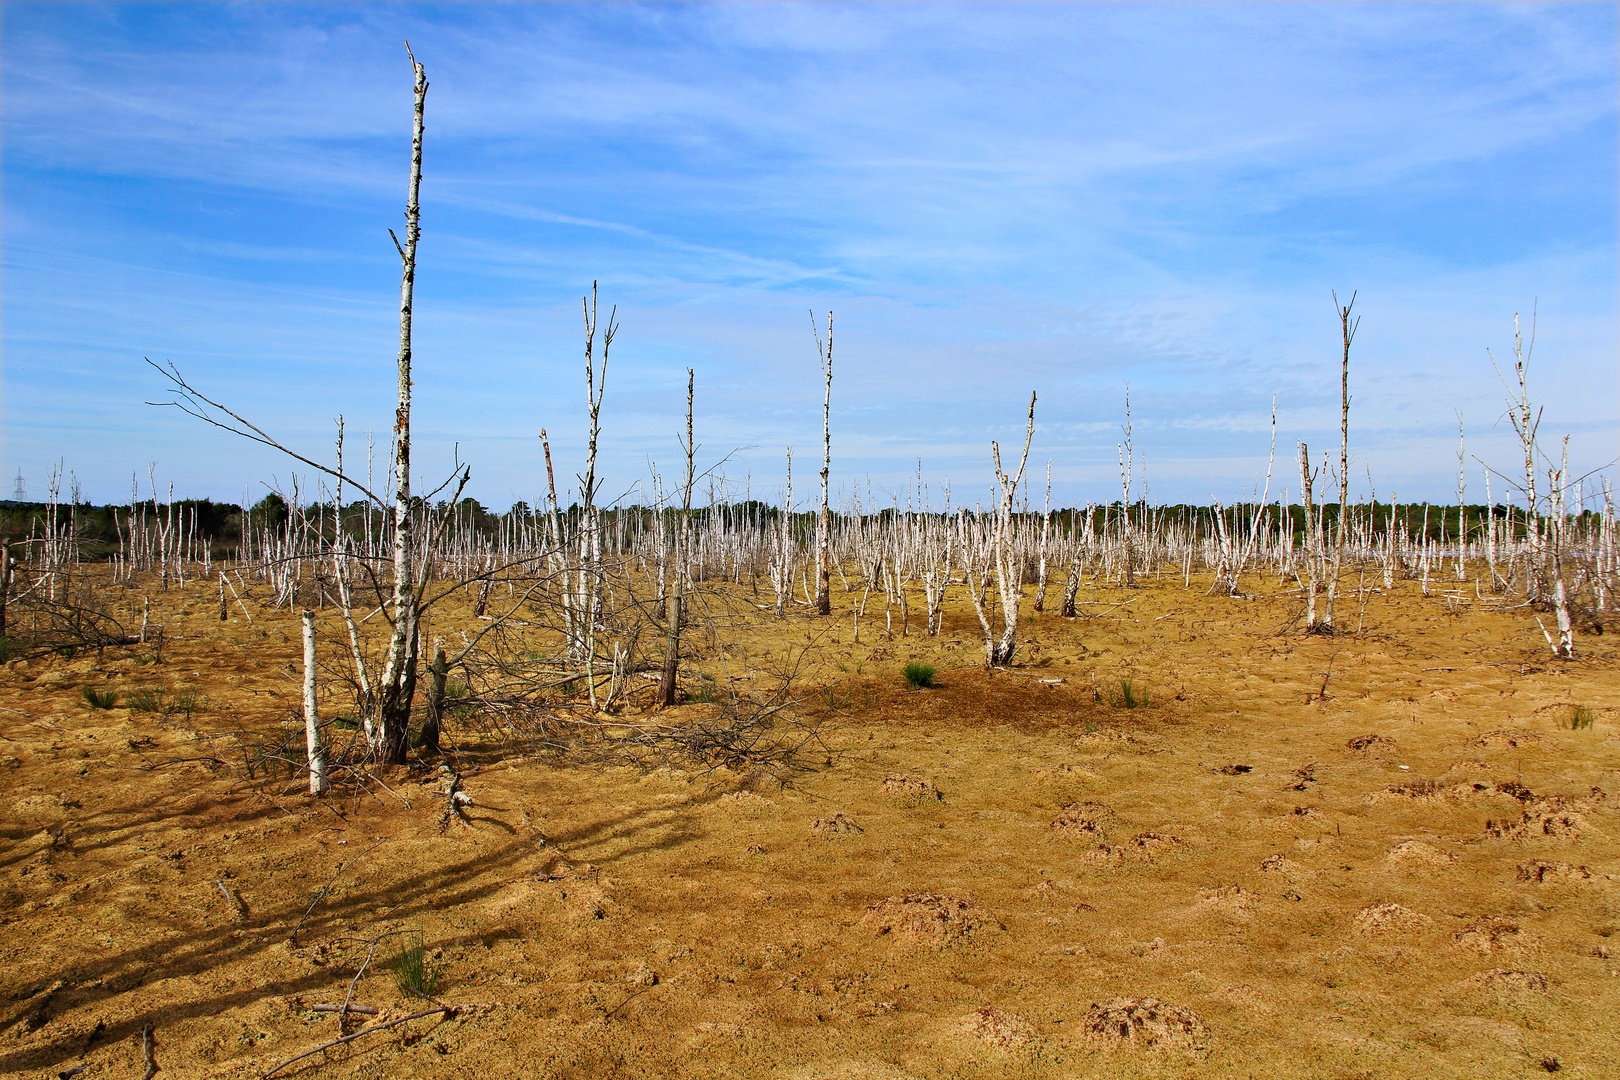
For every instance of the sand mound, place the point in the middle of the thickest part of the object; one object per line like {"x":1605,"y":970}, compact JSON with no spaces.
{"x":1251,"y":999}
{"x":847,"y":1070}
{"x":1102,"y":740}
{"x":1065,"y":771}
{"x":584,"y":900}
{"x":746,"y":802}
{"x":1082,"y":821}
{"x":1434,"y":791}
{"x":38,"y":808}
{"x":1417,"y":853}
{"x":835,"y":827}
{"x":1144,"y":1023}
{"x":998,"y":1028}
{"x":1282,"y":864}
{"x":1494,"y":933}
{"x":1506,"y":739}
{"x":1544,"y":872}
{"x":907,"y":790}
{"x":1506,"y":979}
{"x":1410,"y":789}
{"x":1552,"y":819}
{"x":926,"y":918}
{"x":1371,"y":744}
{"x":1379,"y":919}
{"x":1228,"y":897}
{"x":1143,"y":847}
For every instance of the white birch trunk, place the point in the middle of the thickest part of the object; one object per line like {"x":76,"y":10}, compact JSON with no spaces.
{"x":312,"y":722}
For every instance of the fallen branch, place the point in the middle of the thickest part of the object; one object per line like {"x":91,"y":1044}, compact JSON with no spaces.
{"x":321,"y":893}
{"x":31,"y":716}
{"x":146,"y":1052}
{"x":448,"y":1013}
{"x":233,"y":899}
{"x":368,"y":1010}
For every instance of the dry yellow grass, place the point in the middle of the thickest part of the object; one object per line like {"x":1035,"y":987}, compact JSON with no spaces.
{"x":1004,"y":876}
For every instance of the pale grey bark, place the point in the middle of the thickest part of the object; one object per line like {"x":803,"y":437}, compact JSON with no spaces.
{"x":398,"y":683}
{"x":1008,"y":568}
{"x":312,"y":721}
{"x":1348,"y":328}
{"x":823,"y":600}
{"x":673,"y":606}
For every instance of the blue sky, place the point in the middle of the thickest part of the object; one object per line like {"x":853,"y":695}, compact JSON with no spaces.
{"x":992,"y":199}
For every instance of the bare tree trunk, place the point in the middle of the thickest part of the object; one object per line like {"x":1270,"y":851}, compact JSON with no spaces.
{"x":1258,"y":523}
{"x":398,"y":683}
{"x":824,"y":523}
{"x":312,"y":722}
{"x":1462,"y":507}
{"x":1312,"y":538}
{"x":1046,"y":532}
{"x":1126,"y":463}
{"x":781,"y":568}
{"x":5,"y":582}
{"x":1008,"y":569}
{"x":433,"y":723}
{"x":1348,"y":326}
{"x":672,"y":611}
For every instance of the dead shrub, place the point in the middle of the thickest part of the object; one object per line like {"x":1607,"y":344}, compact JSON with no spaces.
{"x":1493,"y":933}
{"x":998,"y":1028}
{"x":1410,"y":789}
{"x":1544,"y":872}
{"x":1378,"y":919}
{"x":1281,"y":864}
{"x":1508,"y":979}
{"x":1417,"y":853}
{"x":1145,"y":1024}
{"x":1553,"y":819}
{"x":1143,"y":847}
{"x":931,"y":919}
{"x":1505,"y":739}
{"x":906,"y":790}
{"x":1082,"y":821}
{"x":838,"y":826}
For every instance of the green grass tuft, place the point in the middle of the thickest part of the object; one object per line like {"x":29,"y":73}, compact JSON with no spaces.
{"x":1128,"y":696}
{"x":1580,"y":717}
{"x":100,"y":699}
{"x":706,"y":689}
{"x":414,"y":971}
{"x":920,"y":676}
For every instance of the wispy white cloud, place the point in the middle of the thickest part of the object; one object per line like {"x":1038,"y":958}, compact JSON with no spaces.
{"x":993,"y":198}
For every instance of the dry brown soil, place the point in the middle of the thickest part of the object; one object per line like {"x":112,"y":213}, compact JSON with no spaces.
{"x":1006,"y":875}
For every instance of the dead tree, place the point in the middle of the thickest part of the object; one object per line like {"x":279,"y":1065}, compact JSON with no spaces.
{"x":1462,"y":507}
{"x":1046,"y":532}
{"x":1545,"y":515}
{"x":1001,"y":559}
{"x":312,"y":722}
{"x":397,"y":687}
{"x":1313,"y":556}
{"x":1126,"y":462}
{"x":1348,"y":326}
{"x":824,"y":522}
{"x":781,"y":558}
{"x":1258,"y":524}
{"x":672,"y":611}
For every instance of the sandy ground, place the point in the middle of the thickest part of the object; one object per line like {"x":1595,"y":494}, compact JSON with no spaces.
{"x":1006,"y":875}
